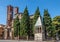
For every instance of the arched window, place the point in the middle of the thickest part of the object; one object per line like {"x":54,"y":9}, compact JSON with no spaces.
{"x":40,"y":29}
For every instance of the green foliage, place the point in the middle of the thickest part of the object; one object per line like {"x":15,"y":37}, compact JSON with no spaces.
{"x":25,"y":26}
{"x":31,"y":27}
{"x":36,"y":15}
{"x":47,"y":24}
{"x":56,"y":24}
{"x":16,"y":26}
{"x":56,"y":20}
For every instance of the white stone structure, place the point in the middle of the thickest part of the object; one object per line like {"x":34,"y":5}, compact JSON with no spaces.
{"x":38,"y":29}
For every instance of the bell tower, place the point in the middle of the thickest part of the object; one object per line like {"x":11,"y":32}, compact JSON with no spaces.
{"x":8,"y":29}
{"x":9,"y":15}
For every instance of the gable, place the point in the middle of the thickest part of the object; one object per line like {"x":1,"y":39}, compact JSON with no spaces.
{"x":38,"y":22}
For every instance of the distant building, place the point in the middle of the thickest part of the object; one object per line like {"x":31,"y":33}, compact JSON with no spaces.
{"x":2,"y":31}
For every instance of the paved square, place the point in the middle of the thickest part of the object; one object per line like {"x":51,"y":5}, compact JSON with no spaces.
{"x":24,"y":41}
{"x":14,"y":41}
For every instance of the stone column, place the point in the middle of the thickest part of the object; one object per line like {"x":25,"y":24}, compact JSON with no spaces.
{"x":5,"y":34}
{"x":11,"y":33}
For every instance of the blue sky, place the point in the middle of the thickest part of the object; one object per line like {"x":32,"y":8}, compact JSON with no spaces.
{"x":53,"y":7}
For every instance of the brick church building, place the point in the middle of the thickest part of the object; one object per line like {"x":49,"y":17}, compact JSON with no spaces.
{"x":8,"y":30}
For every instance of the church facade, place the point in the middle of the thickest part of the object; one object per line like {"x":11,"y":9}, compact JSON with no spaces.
{"x":9,"y":30}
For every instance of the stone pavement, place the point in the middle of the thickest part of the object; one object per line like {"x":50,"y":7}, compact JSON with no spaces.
{"x":16,"y":41}
{"x":24,"y":41}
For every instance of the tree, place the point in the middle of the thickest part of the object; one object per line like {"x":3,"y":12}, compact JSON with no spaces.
{"x":47,"y":22}
{"x":56,"y":24}
{"x":33,"y":21}
{"x":31,"y":28}
{"x":16,"y":26}
{"x":25,"y":25}
{"x":36,"y":15}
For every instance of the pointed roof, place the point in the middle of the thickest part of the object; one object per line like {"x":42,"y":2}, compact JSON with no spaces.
{"x":38,"y":22}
